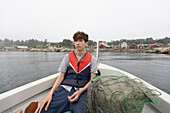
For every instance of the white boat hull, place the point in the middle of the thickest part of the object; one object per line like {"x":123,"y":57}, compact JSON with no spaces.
{"x":21,"y":97}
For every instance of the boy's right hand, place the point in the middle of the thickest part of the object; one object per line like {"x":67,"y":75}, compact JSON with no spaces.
{"x":46,"y":100}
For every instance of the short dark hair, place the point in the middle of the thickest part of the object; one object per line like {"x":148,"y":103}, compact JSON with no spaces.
{"x":80,"y":35}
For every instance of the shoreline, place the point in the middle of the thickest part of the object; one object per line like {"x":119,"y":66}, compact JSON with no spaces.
{"x":155,"y":50}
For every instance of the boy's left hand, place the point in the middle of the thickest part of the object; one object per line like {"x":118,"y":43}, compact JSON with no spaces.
{"x":75,"y":96}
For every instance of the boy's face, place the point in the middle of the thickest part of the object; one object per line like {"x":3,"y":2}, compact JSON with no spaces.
{"x":80,"y":44}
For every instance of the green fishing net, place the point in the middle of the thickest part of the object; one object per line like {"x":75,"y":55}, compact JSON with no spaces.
{"x":118,"y":94}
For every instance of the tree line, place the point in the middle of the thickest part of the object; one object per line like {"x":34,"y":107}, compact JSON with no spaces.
{"x":150,"y":40}
{"x":34,"y":43}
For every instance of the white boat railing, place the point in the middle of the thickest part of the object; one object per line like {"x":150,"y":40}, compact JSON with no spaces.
{"x":20,"y":94}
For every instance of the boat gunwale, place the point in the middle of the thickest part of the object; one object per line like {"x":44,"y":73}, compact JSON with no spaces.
{"x":15,"y":96}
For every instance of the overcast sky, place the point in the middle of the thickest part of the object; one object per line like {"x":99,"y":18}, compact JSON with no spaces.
{"x":108,"y":20}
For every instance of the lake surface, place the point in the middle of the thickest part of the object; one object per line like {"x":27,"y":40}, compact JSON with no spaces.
{"x":19,"y":68}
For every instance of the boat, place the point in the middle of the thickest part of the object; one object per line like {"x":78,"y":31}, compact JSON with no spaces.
{"x":19,"y":98}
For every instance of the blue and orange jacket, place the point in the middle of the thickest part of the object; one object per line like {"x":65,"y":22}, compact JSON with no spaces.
{"x":78,"y":72}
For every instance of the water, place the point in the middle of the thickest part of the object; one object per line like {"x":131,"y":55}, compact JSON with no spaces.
{"x":19,"y":68}
{"x":153,"y":68}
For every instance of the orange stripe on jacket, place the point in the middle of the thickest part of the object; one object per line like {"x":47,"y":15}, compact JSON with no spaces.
{"x":83,"y":63}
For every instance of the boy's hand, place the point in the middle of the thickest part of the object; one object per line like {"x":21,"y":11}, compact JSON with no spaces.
{"x":75,"y":96}
{"x":46,"y":100}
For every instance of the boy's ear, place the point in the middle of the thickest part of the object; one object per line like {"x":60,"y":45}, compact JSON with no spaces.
{"x":87,"y":43}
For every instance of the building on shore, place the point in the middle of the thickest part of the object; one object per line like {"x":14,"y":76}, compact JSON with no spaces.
{"x":155,"y":45}
{"x":9,"y":49}
{"x":124,"y":45}
{"x":117,"y":47}
{"x":142,"y":46}
{"x":104,"y":42}
{"x":22,"y":48}
{"x":133,"y":46}
{"x":103,"y":45}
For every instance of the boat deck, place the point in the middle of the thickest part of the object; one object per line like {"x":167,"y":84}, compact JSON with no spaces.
{"x":23,"y":105}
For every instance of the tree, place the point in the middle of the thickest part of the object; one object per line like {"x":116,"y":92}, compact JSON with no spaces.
{"x":149,"y":40}
{"x":67,"y":43}
{"x":6,"y":42}
{"x":167,"y":40}
{"x":91,"y":43}
{"x":53,"y":44}
{"x":1,"y":43}
{"x":45,"y":42}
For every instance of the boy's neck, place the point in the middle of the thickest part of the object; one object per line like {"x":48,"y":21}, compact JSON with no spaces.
{"x":80,"y":53}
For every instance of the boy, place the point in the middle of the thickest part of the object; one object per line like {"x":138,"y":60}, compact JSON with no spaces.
{"x":77,"y":70}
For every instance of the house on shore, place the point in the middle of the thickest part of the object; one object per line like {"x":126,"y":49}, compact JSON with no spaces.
{"x":133,"y":46}
{"x":123,"y":45}
{"x":22,"y":48}
{"x":9,"y":49}
{"x":155,"y":45}
{"x":103,"y":45}
{"x":142,"y":46}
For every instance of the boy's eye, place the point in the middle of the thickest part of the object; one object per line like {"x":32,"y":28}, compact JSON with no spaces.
{"x":75,"y":40}
{"x":80,"y":40}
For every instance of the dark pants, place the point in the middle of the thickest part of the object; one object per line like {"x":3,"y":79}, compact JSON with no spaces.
{"x":61,"y":104}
